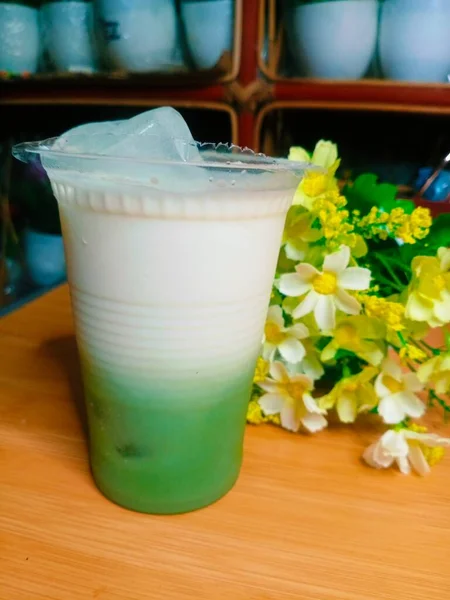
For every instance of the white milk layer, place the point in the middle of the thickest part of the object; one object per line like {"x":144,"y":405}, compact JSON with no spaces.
{"x":178,"y":284}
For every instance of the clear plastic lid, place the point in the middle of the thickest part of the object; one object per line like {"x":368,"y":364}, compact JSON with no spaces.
{"x":166,"y":163}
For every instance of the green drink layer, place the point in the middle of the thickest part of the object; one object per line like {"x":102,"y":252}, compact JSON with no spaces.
{"x":168,"y":446}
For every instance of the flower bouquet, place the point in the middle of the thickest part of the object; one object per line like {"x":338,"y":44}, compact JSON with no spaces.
{"x":361,"y":281}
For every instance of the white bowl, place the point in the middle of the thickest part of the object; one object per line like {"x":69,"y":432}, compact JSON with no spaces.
{"x":333,"y":40}
{"x":67,"y":29}
{"x":414,"y":42}
{"x":139,"y":35}
{"x":209,"y":29}
{"x":19,"y":38}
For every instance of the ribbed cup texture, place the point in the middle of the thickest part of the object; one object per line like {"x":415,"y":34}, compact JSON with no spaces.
{"x":169,"y":299}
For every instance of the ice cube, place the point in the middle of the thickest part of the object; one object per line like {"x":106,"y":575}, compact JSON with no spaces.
{"x":91,"y":138}
{"x":165,"y":124}
{"x":161,"y":134}
{"x":152,"y":146}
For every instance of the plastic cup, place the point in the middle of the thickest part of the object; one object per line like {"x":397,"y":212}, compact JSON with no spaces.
{"x":170,"y":291}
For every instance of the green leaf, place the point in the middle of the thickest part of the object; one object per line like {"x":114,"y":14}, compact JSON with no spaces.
{"x":440,"y":231}
{"x":407,"y":205}
{"x":367,"y":192}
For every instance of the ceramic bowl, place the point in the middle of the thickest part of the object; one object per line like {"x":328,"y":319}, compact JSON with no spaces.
{"x":67,"y":29}
{"x":414,"y":43}
{"x":19,"y":38}
{"x":332,"y":40}
{"x":138,"y":35}
{"x":209,"y":29}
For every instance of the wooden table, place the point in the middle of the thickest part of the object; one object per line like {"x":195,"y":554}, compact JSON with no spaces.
{"x":306,"y":521}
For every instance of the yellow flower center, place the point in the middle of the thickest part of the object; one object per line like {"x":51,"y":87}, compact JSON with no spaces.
{"x":325,"y":284}
{"x":393,"y":385}
{"x":296,"y":390}
{"x":346,"y":335}
{"x":314,"y":184}
{"x":273,"y":333}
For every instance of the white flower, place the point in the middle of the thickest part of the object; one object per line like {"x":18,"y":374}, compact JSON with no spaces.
{"x":325,"y":291}
{"x":404,"y":447}
{"x":284,"y":339}
{"x":289,"y":396}
{"x":397,"y":392}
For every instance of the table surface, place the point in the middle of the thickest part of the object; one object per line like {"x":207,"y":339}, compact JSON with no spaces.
{"x":306,"y":520}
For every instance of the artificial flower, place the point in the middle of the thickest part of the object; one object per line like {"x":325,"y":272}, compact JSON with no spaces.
{"x":408,"y":228}
{"x":326,"y":290}
{"x":352,"y":395}
{"x":358,"y":334}
{"x":429,"y":292}
{"x":290,"y":397}
{"x":408,"y":448}
{"x":411,"y":352}
{"x":397,"y":392}
{"x":311,"y":364}
{"x":299,"y":233}
{"x":413,"y":227}
{"x":325,"y":154}
{"x":390,"y":313}
{"x":436,"y":371}
{"x":329,"y":209}
{"x":284,"y":339}
{"x":255,"y":415}
{"x":316,"y":182}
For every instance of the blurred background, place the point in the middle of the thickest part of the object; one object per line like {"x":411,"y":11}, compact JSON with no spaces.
{"x":371,"y":75}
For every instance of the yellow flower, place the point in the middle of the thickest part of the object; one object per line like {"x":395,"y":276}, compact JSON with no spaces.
{"x":325,"y":154}
{"x":373,"y":224}
{"x":285,"y":340}
{"x":398,"y":393}
{"x":255,"y":414}
{"x":290,"y":397}
{"x":415,"y":227}
{"x":357,"y":334}
{"x":329,"y":210}
{"x":311,"y":365}
{"x":352,"y":395}
{"x":436,"y":371}
{"x":410,"y":447}
{"x":261,"y":370}
{"x":299,"y":233}
{"x":429,"y":291}
{"x":299,"y":154}
{"x":396,"y":223}
{"x":411,"y":352}
{"x":313,"y":185}
{"x":326,"y":291}
{"x":432,"y":454}
{"x":316,"y":183}
{"x":391,"y":313}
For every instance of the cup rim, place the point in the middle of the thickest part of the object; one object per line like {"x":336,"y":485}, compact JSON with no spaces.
{"x":222,"y":155}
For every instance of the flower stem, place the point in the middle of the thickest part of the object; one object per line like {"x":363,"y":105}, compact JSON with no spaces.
{"x":386,"y":264}
{"x":442,"y":403}
{"x":425,"y":346}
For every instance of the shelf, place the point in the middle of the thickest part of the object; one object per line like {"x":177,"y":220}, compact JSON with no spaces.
{"x":373,"y":95}
{"x":106,"y":90}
